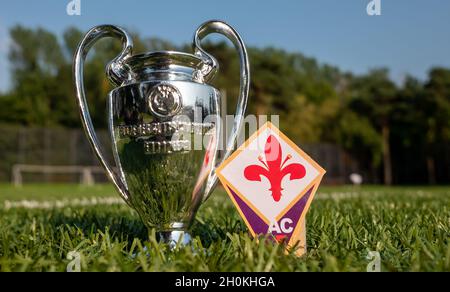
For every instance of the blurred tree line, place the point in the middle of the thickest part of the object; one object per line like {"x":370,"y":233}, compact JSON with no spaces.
{"x":398,"y":134}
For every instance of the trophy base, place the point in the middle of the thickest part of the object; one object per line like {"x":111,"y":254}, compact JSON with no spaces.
{"x":175,"y":237}
{"x":172,"y":238}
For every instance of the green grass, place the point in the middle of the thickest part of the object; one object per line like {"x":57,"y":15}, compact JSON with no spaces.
{"x":410,"y":227}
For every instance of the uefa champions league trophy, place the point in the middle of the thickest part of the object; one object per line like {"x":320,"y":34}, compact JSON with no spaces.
{"x":153,"y":127}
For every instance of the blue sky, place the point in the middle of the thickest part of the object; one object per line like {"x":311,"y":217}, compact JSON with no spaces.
{"x":409,"y":37}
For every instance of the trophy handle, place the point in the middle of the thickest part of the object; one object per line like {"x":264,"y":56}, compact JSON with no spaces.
{"x":116,"y":74}
{"x":220,"y":27}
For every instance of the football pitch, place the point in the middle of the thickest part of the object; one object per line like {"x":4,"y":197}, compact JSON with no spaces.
{"x":42,"y":225}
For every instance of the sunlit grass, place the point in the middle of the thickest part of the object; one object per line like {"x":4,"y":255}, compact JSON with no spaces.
{"x":410,"y":227}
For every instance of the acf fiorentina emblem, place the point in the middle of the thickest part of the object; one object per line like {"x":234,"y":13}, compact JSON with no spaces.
{"x":272,"y":183}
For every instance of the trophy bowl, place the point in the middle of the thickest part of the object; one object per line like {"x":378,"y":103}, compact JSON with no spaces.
{"x":165,"y":126}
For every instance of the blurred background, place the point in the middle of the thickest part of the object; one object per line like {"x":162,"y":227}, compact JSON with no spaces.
{"x":366,"y":95}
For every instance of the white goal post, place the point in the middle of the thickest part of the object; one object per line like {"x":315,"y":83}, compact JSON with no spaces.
{"x":86,"y":172}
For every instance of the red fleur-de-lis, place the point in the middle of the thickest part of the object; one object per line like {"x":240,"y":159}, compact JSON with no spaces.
{"x":274,"y":169}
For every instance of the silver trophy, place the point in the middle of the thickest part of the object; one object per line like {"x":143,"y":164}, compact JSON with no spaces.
{"x":153,"y":121}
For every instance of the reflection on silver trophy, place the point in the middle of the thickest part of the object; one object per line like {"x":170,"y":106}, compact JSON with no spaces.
{"x":151,"y":115}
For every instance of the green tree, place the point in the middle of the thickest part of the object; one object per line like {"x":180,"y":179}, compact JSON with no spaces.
{"x":36,"y":59}
{"x":374,"y":96}
{"x":435,"y":106}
